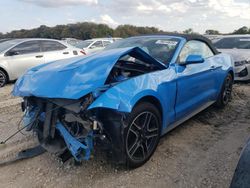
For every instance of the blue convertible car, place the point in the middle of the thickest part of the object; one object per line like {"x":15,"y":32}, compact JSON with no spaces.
{"x":123,"y":98}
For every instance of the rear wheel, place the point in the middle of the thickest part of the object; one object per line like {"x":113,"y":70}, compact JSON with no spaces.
{"x":3,"y":78}
{"x":226,"y":92}
{"x":142,"y":134}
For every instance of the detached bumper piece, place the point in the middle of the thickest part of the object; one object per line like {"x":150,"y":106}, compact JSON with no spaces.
{"x":79,"y":150}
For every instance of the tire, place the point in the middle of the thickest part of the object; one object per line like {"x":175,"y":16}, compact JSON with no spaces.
{"x":142,"y":134}
{"x":3,"y":78}
{"x":226,"y":92}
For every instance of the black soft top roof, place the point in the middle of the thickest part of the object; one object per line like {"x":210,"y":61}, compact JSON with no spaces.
{"x":189,"y":37}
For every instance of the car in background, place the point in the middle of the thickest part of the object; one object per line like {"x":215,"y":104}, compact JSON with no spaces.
{"x":71,"y":41}
{"x":18,"y":55}
{"x":94,"y":45}
{"x":241,"y":178}
{"x":3,"y":40}
{"x":239,"y":47}
{"x":213,"y":37}
{"x":125,"y":97}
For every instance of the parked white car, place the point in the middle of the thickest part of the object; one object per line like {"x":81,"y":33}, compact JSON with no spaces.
{"x":71,"y":41}
{"x":18,"y":55}
{"x":95,"y":45}
{"x":239,"y":47}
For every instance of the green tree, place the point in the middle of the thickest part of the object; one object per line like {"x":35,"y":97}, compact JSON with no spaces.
{"x":242,"y":30}
{"x":188,"y":31}
{"x":212,"y":32}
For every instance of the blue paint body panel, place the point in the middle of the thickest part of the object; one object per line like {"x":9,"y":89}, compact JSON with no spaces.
{"x":181,"y":90}
{"x":75,"y":77}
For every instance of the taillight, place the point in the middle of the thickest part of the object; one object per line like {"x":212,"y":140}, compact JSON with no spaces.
{"x":82,"y":52}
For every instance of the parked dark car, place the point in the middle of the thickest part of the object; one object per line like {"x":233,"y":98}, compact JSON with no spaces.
{"x":241,"y":178}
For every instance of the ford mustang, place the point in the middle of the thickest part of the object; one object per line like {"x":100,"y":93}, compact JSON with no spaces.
{"x":123,"y":99}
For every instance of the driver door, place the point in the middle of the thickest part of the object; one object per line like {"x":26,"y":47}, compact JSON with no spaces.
{"x":195,"y":82}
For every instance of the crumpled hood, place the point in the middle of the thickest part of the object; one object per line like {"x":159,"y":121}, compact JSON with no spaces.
{"x":75,"y":77}
{"x":237,"y":54}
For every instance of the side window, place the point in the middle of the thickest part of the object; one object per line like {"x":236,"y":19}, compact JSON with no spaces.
{"x":51,"y":46}
{"x":106,"y":43}
{"x":194,"y":47}
{"x":26,"y":48}
{"x":97,"y":44}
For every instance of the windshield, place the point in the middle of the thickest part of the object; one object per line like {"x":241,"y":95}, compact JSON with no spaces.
{"x":160,"y":48}
{"x":233,"y":42}
{"x":8,"y":44}
{"x":84,"y":44}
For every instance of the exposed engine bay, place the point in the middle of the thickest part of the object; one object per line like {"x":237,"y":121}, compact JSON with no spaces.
{"x":128,"y":67}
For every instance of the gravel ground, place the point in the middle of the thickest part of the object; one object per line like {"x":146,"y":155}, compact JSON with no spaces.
{"x":202,"y":152}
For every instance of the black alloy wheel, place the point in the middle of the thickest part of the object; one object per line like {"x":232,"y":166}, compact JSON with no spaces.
{"x":226,"y":92}
{"x":142,"y":134}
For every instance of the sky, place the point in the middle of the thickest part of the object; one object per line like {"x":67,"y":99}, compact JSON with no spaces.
{"x":168,"y":15}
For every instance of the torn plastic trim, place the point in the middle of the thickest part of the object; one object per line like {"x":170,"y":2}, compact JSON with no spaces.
{"x":79,"y":150}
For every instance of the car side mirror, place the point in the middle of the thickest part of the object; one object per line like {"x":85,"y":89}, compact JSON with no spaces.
{"x":92,"y":47}
{"x":193,"y":59}
{"x":12,"y":53}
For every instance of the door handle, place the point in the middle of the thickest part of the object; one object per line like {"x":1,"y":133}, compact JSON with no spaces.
{"x":215,"y":67}
{"x":39,"y":56}
{"x":65,"y":52}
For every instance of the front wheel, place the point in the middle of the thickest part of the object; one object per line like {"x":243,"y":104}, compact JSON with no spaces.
{"x":142,"y":134}
{"x":226,"y":92}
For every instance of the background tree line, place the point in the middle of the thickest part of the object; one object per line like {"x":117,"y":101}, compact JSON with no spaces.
{"x":87,"y":30}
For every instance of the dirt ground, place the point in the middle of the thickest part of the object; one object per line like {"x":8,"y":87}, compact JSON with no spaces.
{"x":202,"y":152}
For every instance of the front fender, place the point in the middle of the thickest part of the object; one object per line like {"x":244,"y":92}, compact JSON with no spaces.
{"x":123,"y":96}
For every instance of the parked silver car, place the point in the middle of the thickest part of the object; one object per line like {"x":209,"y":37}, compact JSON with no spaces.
{"x":239,"y":47}
{"x":18,"y":55}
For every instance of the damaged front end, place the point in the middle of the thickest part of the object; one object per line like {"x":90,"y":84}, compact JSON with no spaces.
{"x":66,"y":128}
{"x":61,"y":115}
{"x":61,"y":125}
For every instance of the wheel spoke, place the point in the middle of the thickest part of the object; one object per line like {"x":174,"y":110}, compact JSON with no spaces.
{"x":152,"y":129}
{"x":135,"y":131}
{"x":152,"y":134}
{"x":133,"y":148}
{"x":144,"y":150}
{"x":147,"y":120}
{"x":136,"y":126}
